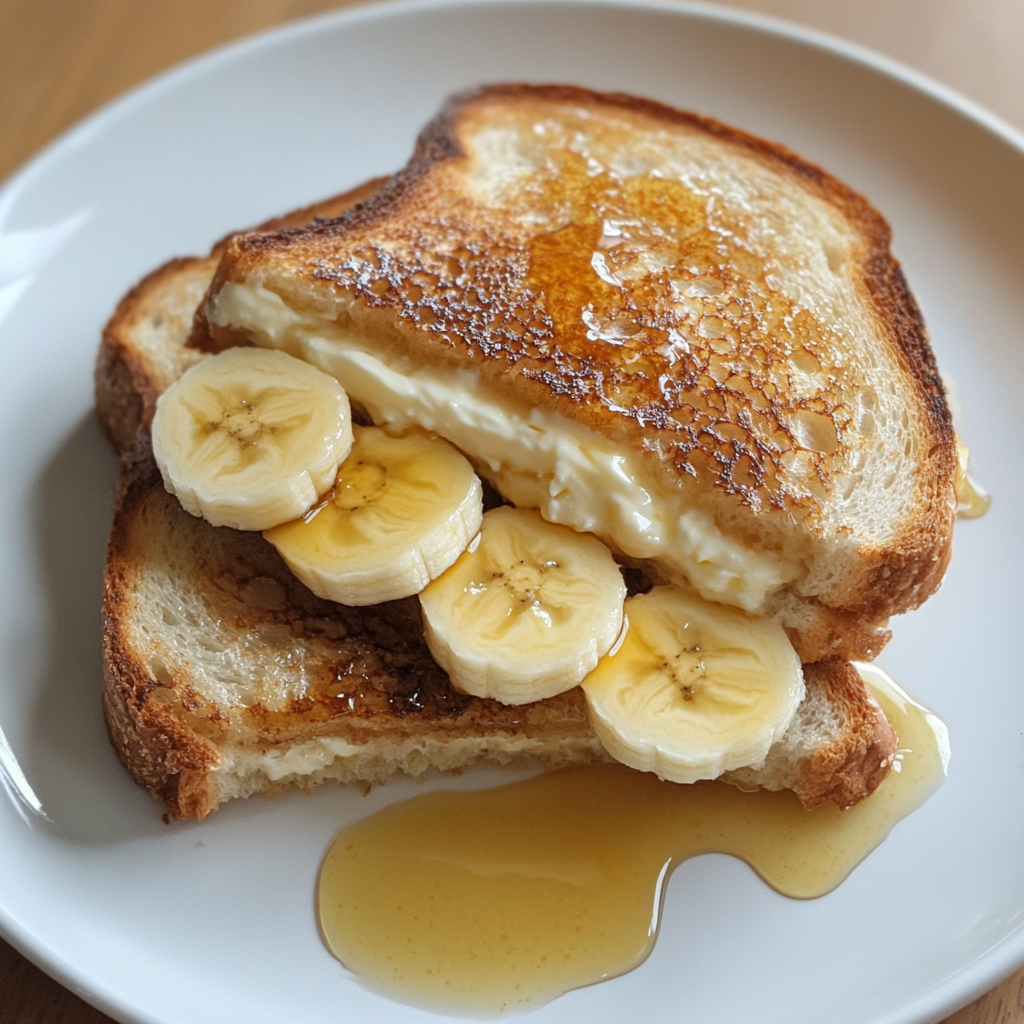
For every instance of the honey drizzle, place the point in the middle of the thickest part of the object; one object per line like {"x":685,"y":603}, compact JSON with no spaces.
{"x":972,"y":500}
{"x":502,"y":899}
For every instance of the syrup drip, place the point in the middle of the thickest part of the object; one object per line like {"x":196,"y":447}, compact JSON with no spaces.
{"x":972,"y":500}
{"x":477,"y":903}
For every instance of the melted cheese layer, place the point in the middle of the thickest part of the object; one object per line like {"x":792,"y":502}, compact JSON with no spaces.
{"x":535,"y":458}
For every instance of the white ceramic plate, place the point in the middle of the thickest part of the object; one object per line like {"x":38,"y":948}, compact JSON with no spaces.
{"x":189,"y":924}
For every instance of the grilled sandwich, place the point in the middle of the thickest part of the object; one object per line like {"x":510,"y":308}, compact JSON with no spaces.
{"x":648,"y":326}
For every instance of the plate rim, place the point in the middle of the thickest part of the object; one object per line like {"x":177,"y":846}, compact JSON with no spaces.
{"x":974,"y":978}
{"x":371,"y":10}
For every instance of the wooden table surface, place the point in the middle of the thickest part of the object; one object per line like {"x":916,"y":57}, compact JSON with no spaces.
{"x":59,"y":59}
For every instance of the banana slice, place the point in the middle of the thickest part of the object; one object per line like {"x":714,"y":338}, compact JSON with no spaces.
{"x":402,"y":510}
{"x":249,"y":438}
{"x":695,"y":689}
{"x":527,"y":611}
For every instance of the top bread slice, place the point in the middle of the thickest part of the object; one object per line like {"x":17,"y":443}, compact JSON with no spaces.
{"x":725,"y":316}
{"x":224,"y":676}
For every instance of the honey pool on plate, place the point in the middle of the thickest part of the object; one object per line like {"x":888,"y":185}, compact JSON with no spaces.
{"x":478,"y":903}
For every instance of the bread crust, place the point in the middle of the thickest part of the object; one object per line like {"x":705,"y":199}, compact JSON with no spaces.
{"x":883,"y":578}
{"x":842,"y":767}
{"x":851,"y":768}
{"x":127,"y":380}
{"x":162,"y":753}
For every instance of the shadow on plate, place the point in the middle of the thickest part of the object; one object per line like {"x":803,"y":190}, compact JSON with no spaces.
{"x":86,"y":795}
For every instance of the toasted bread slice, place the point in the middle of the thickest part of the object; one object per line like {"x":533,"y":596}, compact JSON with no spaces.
{"x":714,"y":327}
{"x":224,"y":676}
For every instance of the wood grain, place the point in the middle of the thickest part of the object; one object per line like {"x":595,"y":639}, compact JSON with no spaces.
{"x":60,"y":59}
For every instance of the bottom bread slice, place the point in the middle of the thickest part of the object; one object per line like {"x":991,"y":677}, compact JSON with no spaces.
{"x":224,"y":676}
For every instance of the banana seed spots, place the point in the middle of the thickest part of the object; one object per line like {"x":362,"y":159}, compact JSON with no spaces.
{"x":526,"y":591}
{"x":525,"y":582}
{"x":360,"y":485}
{"x":230,"y":438}
{"x":242,"y":424}
{"x":523,"y":579}
{"x":687,"y":671}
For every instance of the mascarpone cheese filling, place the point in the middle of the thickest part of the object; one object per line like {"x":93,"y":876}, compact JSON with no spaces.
{"x":535,"y":458}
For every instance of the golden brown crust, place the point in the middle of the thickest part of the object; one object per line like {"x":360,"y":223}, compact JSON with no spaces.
{"x":912,"y":568}
{"x":325,"y":210}
{"x":127,"y":381}
{"x":852,"y":768}
{"x":471,"y":286}
{"x":163,"y":754}
{"x":834,"y":633}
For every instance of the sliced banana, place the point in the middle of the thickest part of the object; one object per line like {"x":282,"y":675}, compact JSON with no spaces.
{"x":695,"y":689}
{"x":527,"y":611}
{"x":401,"y":511}
{"x":249,"y":438}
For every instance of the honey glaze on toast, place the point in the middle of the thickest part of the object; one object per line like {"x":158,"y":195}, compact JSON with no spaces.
{"x":634,"y":297}
{"x":479,"y":903}
{"x":627,"y":284}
